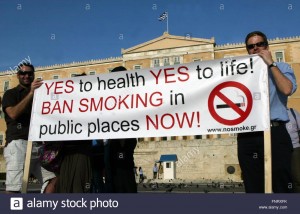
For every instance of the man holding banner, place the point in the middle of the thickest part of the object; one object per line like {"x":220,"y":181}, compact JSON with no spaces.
{"x":17,"y":103}
{"x":282,"y":83}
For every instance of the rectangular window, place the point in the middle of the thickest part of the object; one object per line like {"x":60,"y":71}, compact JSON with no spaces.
{"x":55,"y":77}
{"x":92,"y":72}
{"x":176,"y":60}
{"x":198,"y":136}
{"x":156,"y":62}
{"x":168,"y":165}
{"x":6,"y":86}
{"x":74,"y":75}
{"x":1,"y":113}
{"x":196,"y":60}
{"x":279,"y":56}
{"x":164,"y":138}
{"x":166,"y":61}
{"x":1,"y":140}
{"x":137,"y":67}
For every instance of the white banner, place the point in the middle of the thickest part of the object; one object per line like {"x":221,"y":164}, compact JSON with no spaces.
{"x":205,"y":97}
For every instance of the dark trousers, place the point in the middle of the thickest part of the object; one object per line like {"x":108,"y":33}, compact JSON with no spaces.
{"x":108,"y":170}
{"x":251,"y":159}
{"x":75,"y":174}
{"x":296,"y":169}
{"x":124,"y":181}
{"x":154,"y":175}
{"x":97,"y":185}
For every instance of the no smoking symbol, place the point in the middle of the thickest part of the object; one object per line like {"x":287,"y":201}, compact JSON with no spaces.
{"x":241,"y":109}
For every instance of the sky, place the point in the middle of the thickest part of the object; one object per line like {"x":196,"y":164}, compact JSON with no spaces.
{"x":52,"y":32}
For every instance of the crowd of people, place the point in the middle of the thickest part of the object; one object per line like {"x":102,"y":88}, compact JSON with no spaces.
{"x":85,"y":163}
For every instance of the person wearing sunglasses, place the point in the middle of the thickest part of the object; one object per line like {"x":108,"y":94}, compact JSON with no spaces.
{"x":17,"y":104}
{"x":282,"y":83}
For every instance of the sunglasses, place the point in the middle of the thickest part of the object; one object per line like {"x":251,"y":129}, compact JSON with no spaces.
{"x":23,"y":73}
{"x":259,"y":44}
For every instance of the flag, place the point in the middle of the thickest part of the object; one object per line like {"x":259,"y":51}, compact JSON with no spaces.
{"x":163,"y":16}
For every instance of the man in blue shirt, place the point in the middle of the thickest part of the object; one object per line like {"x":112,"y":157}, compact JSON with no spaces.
{"x":282,"y":83}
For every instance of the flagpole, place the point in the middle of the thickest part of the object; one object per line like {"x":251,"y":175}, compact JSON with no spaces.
{"x":167,"y":22}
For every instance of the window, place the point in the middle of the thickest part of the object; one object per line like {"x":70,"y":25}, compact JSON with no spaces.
{"x":74,"y":74}
{"x":137,"y":67}
{"x":279,"y":56}
{"x":166,"y":61}
{"x":198,"y":136}
{"x":55,"y":77}
{"x":156,"y":62}
{"x":164,"y":138}
{"x":1,"y":140}
{"x":196,"y":60}
{"x":176,"y":60}
{"x":168,"y":165}
{"x":1,"y":113}
{"x":6,"y":86}
{"x":92,"y":72}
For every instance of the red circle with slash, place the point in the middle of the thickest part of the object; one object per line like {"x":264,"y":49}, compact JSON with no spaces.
{"x":216,"y":92}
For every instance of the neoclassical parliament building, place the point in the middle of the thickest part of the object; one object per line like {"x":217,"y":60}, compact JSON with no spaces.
{"x":201,"y":158}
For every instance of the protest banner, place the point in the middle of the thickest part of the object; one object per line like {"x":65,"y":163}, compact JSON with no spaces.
{"x":207,"y":97}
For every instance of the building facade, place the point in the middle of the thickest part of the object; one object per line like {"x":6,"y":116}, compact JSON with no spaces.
{"x":210,"y":157}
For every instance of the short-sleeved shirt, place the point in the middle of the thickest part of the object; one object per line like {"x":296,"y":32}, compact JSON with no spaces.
{"x":278,"y":101}
{"x":19,"y":128}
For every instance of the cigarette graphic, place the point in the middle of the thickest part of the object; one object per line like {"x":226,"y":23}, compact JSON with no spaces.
{"x":227,"y":106}
{"x":242,"y":104}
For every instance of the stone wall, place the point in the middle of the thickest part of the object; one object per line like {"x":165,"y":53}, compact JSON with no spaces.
{"x":2,"y":161}
{"x":199,"y":159}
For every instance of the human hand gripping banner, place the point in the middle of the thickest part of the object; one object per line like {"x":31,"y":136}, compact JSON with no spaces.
{"x":204,"y":97}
